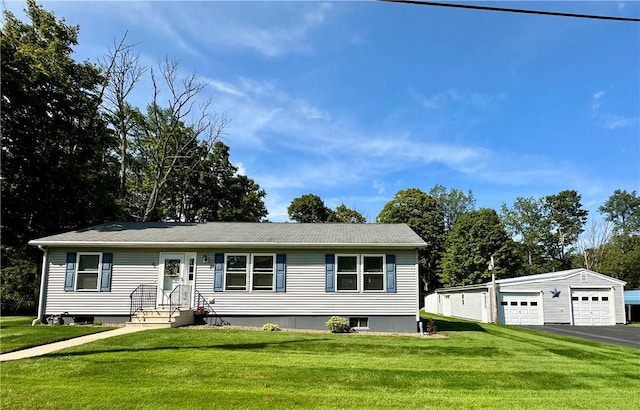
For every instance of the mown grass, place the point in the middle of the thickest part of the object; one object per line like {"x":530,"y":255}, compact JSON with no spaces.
{"x":479,"y":366}
{"x":16,"y":333}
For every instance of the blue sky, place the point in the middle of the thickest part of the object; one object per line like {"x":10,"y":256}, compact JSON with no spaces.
{"x":353,"y":101}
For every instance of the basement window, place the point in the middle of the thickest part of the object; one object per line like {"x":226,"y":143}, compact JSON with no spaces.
{"x":359,"y":322}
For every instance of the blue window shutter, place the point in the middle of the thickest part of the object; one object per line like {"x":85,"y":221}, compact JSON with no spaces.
{"x":105,"y":272}
{"x":330,"y":272}
{"x":391,"y":273}
{"x":219,"y":272}
{"x":281,"y":269}
{"x":70,"y":272}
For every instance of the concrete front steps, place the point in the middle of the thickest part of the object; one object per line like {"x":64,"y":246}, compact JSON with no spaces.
{"x":159,"y":318}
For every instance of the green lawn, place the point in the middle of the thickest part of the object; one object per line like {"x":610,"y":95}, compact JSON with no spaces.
{"x":17,"y":333}
{"x":479,"y":366}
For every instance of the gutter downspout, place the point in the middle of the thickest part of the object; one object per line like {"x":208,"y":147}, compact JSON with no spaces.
{"x":43,"y":286}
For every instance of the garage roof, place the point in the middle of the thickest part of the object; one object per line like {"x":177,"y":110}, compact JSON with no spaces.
{"x":543,"y":277}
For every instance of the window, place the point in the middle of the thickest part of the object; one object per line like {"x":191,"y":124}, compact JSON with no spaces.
{"x":584,"y":277}
{"x":192,"y":267}
{"x":523,"y":303}
{"x":574,"y":298}
{"x":347,"y":273}
{"x":605,"y":298}
{"x":236,"y":272}
{"x":88,"y":271}
{"x":585,"y":298}
{"x":462,"y":299}
{"x":514,"y":303}
{"x":263,"y":271}
{"x":594,"y":298}
{"x":359,"y":322}
{"x":503,"y":303}
{"x":534,"y":303}
{"x":373,"y":272}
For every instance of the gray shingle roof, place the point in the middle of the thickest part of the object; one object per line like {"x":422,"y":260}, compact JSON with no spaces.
{"x":237,"y":234}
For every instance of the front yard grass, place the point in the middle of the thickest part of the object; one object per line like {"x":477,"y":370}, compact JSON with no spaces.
{"x":16,"y":333}
{"x":479,"y":366}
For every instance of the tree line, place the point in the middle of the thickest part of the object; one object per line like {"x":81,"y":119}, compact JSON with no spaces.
{"x":76,"y":152}
{"x":534,"y":235}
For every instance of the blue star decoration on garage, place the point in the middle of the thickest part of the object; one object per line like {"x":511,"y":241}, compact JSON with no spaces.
{"x":555,"y":293}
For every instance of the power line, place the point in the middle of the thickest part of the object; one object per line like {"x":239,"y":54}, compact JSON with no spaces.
{"x":510,"y":10}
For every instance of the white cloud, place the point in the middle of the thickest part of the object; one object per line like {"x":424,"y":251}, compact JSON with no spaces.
{"x":597,"y":100}
{"x":613,"y":121}
{"x":224,"y":87}
{"x":452,"y":98}
{"x":378,"y":185}
{"x":266,"y":28}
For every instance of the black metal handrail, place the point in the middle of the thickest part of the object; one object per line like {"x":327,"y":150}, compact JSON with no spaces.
{"x":203,"y":304}
{"x":143,"y":297}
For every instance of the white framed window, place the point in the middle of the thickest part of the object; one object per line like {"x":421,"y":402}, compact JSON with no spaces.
{"x":262,"y":272}
{"x":88,"y":271}
{"x":373,"y":272}
{"x":236,"y":268}
{"x":347,"y":273}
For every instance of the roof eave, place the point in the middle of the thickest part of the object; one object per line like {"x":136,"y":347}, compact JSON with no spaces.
{"x":230,"y":245}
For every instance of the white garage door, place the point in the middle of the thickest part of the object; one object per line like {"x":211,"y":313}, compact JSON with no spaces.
{"x":591,"y":307}
{"x":522,"y":308}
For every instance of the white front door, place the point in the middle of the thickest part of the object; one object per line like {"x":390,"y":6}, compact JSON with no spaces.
{"x":591,"y":307}
{"x":520,"y":308}
{"x":172,"y":273}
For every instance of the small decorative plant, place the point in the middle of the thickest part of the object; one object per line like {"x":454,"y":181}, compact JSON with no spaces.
{"x":201,"y":310}
{"x":200,"y":315}
{"x":431,"y":328}
{"x":271,"y":327}
{"x":338,"y":324}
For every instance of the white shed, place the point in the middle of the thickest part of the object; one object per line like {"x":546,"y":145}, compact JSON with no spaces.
{"x":576,"y":297}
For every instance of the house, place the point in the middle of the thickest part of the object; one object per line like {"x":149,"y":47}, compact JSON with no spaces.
{"x":295,"y":275}
{"x":575,"y":297}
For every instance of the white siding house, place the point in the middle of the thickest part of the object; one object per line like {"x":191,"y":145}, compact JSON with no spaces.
{"x":296,"y":275}
{"x":575,"y":297}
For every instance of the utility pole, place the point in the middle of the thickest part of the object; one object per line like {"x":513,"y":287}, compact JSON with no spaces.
{"x":495,"y":292}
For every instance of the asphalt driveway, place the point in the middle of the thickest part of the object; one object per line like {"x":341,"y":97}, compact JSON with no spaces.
{"x":617,"y":335}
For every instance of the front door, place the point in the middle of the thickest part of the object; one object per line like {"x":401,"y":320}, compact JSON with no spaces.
{"x":172,"y":274}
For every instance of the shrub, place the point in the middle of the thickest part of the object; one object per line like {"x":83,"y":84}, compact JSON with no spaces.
{"x":271,"y":327}
{"x":338,"y":324}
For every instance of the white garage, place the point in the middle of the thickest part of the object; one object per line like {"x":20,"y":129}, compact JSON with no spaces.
{"x":573,"y":297}
{"x":520,"y":308}
{"x":592,"y":307}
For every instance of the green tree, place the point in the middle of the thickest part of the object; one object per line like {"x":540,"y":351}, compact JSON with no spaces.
{"x":309,"y":208}
{"x":452,"y":203}
{"x":623,"y":210}
{"x":347,"y":215}
{"x":57,"y":171}
{"x":476,"y":237}
{"x":422,"y":213}
{"x":213,"y":190}
{"x":621,"y":259}
{"x":565,"y":220}
{"x":548,"y":229}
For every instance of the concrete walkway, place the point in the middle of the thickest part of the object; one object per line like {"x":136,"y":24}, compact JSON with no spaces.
{"x":76,"y":341}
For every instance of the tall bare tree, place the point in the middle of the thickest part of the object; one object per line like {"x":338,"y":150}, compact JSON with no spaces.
{"x":173,"y":129}
{"x":123,"y":70}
